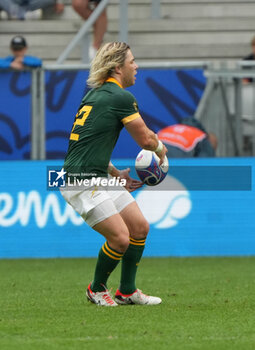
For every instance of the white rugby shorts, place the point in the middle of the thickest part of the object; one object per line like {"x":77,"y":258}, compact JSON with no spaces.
{"x":97,"y":203}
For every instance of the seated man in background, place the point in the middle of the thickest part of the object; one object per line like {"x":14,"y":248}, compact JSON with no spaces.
{"x":84,"y":8}
{"x":17,"y":9}
{"x":188,"y":139}
{"x":19,"y":60}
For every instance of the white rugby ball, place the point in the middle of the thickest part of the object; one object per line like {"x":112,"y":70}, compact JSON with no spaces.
{"x":148,"y":169}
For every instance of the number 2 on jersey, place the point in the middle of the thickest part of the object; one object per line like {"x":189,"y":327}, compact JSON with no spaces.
{"x":80,"y":121}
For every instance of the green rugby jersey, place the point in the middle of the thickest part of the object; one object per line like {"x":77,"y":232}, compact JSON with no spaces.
{"x":101,"y":116}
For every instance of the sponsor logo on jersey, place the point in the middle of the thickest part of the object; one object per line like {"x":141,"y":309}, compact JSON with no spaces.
{"x":135,"y":106}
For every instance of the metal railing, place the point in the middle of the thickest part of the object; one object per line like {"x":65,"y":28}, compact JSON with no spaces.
{"x":246,"y":64}
{"x":38,"y":149}
{"x":222,"y":110}
{"x":141,"y":64}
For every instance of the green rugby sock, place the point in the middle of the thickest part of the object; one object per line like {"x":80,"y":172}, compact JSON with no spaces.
{"x":130,"y":263}
{"x":108,"y":259}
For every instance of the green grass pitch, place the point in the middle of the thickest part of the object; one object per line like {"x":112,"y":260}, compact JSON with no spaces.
{"x":208,"y":303}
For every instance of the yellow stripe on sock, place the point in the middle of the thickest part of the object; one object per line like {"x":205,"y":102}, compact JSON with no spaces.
{"x":106,"y":245}
{"x":110,"y":255}
{"x":137,"y":241}
{"x":141,"y":244}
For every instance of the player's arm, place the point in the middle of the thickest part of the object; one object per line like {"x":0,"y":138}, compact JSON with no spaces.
{"x":146,"y":138}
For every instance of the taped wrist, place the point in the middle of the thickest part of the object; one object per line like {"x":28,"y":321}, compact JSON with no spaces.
{"x":159,"y":148}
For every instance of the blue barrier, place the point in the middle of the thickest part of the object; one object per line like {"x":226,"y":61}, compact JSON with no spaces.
{"x":15,"y":111}
{"x":164,"y":98}
{"x":209,"y":221}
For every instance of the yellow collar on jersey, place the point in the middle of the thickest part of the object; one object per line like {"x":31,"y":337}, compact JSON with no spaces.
{"x":113,"y":80}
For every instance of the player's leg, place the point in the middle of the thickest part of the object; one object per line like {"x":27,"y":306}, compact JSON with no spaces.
{"x":117,"y":241}
{"x":138,"y":228}
{"x":116,"y":233}
{"x":98,"y":210}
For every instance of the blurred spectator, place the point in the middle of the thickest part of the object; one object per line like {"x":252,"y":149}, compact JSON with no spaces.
{"x":84,"y":8}
{"x":17,"y":9}
{"x":19,"y":60}
{"x":250,"y":57}
{"x":188,"y":140}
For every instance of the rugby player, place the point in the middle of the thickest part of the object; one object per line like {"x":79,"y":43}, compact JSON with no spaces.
{"x":103,"y":112}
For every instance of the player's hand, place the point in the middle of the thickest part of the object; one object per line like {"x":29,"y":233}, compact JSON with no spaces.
{"x":162,"y":154}
{"x":131,"y":184}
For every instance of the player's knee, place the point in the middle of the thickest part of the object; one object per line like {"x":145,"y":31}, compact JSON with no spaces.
{"x":141,"y":230}
{"x":120,"y":244}
{"x":124,"y":243}
{"x":144,"y":229}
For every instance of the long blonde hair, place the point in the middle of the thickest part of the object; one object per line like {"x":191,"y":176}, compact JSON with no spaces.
{"x":108,"y":57}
